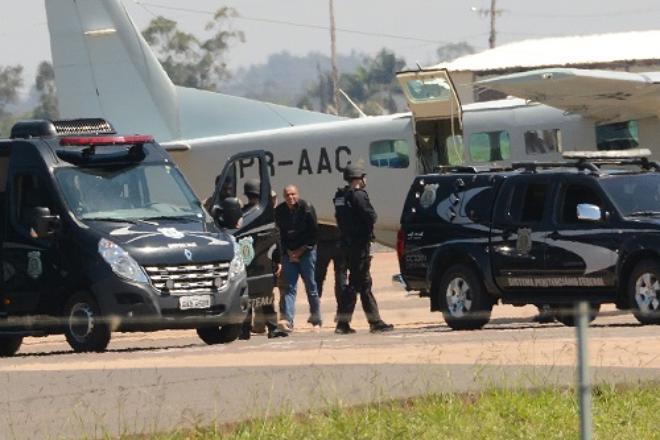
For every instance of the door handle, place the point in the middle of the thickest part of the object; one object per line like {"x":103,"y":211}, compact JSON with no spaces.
{"x":554,"y":235}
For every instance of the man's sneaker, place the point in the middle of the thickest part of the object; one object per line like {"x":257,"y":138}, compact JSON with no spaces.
{"x":277,"y":333}
{"x":344,"y":329}
{"x":380,"y":327}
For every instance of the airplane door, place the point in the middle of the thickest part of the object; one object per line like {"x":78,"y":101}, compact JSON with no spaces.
{"x":256,"y":234}
{"x":430,"y":94}
{"x":436,"y":110}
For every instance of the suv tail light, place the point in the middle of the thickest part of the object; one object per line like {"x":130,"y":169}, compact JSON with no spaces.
{"x":400,"y":243}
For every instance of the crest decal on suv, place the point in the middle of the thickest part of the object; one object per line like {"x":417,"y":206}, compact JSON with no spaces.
{"x":524,"y":242}
{"x":429,"y":195}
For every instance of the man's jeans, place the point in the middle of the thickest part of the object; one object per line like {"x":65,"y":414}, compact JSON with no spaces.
{"x":305,"y":269}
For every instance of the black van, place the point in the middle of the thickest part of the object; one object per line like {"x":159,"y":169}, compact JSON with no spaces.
{"x":102,"y":233}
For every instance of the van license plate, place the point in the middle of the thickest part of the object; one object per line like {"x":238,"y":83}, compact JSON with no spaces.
{"x":195,"y":302}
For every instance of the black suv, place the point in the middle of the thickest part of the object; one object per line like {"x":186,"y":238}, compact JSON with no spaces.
{"x":537,"y":233}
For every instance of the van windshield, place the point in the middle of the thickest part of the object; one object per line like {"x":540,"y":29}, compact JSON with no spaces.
{"x":634,"y":195}
{"x":128,"y":193}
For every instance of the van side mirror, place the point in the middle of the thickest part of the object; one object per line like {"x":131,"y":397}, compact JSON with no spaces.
{"x":44,"y":224}
{"x":228,"y":214}
{"x":589,"y":212}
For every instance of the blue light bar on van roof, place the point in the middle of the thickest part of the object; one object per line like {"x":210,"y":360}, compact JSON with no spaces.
{"x":95,"y":141}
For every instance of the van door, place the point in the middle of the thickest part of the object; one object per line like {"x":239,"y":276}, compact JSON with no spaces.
{"x":436,"y":110}
{"x":4,"y":170}
{"x":32,"y":276}
{"x":256,"y":234}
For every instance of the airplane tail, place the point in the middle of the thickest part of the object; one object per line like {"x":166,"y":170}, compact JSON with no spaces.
{"x":105,"y":68}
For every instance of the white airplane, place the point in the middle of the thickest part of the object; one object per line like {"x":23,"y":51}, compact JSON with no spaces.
{"x":104,"y":68}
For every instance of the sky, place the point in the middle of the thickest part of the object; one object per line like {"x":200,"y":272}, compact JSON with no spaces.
{"x":413,"y":29}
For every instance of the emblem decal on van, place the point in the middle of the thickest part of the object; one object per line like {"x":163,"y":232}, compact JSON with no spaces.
{"x":246,"y":248}
{"x":34,"y":267}
{"x":188,"y":254}
{"x":171,"y":233}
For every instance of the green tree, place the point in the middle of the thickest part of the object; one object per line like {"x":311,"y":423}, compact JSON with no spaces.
{"x":373,"y":86}
{"x":11,"y":80}
{"x":451,"y":51}
{"x":189,"y":61}
{"x":45,"y":85}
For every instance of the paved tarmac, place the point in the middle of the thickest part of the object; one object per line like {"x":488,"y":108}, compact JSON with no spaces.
{"x":150,"y":382}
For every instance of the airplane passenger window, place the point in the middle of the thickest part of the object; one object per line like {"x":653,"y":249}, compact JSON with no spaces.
{"x":389,"y":153}
{"x":542,"y":141}
{"x":490,"y":146}
{"x":617,"y":136}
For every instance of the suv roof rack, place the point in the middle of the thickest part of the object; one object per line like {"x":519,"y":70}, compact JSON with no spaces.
{"x":594,"y":166}
{"x":468,"y":169}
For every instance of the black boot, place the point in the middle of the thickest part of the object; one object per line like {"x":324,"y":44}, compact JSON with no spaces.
{"x":245,"y":332}
{"x":343,"y":328}
{"x":380,"y":327}
{"x":274,"y":332}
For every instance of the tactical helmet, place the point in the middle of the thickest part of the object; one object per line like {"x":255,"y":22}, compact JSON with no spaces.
{"x":353,"y":171}
{"x":252,"y":187}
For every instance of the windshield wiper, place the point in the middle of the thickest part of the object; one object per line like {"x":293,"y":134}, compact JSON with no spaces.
{"x":109,"y":219}
{"x":644,"y":213}
{"x":183,"y":217}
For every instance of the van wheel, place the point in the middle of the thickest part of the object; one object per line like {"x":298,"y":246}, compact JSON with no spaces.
{"x":644,"y":292}
{"x":219,"y":335}
{"x":86,"y":330}
{"x":463,"y":299}
{"x":566,"y":314}
{"x":9,"y":345}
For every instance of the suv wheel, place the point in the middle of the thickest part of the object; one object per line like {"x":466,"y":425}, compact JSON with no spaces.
{"x":566,"y":314}
{"x":219,"y":335}
{"x":85,"y":329}
{"x":464,"y":302}
{"x":9,"y":345}
{"x":644,"y":292}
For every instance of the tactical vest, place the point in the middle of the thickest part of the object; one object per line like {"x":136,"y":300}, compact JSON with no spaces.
{"x":344,"y":211}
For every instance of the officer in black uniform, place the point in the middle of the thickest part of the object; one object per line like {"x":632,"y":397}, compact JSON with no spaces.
{"x":251,"y":189}
{"x":356,"y":218}
{"x":265,"y":316}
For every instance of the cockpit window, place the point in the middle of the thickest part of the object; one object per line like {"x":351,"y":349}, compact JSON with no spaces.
{"x":127,"y":193}
{"x":617,"y":136}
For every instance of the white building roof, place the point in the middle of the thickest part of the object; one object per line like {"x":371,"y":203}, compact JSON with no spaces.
{"x":624,"y":47}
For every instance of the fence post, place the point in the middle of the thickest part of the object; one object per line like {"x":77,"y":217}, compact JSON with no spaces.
{"x":584,"y":387}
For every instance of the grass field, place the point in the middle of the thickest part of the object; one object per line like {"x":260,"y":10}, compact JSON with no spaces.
{"x":631,"y":412}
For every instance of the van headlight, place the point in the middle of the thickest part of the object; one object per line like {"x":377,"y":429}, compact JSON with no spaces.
{"x":237,"y":266}
{"x":121,"y":262}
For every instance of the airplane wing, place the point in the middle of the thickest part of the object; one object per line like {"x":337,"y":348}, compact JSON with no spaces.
{"x":605,"y":96}
{"x":104,"y":68}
